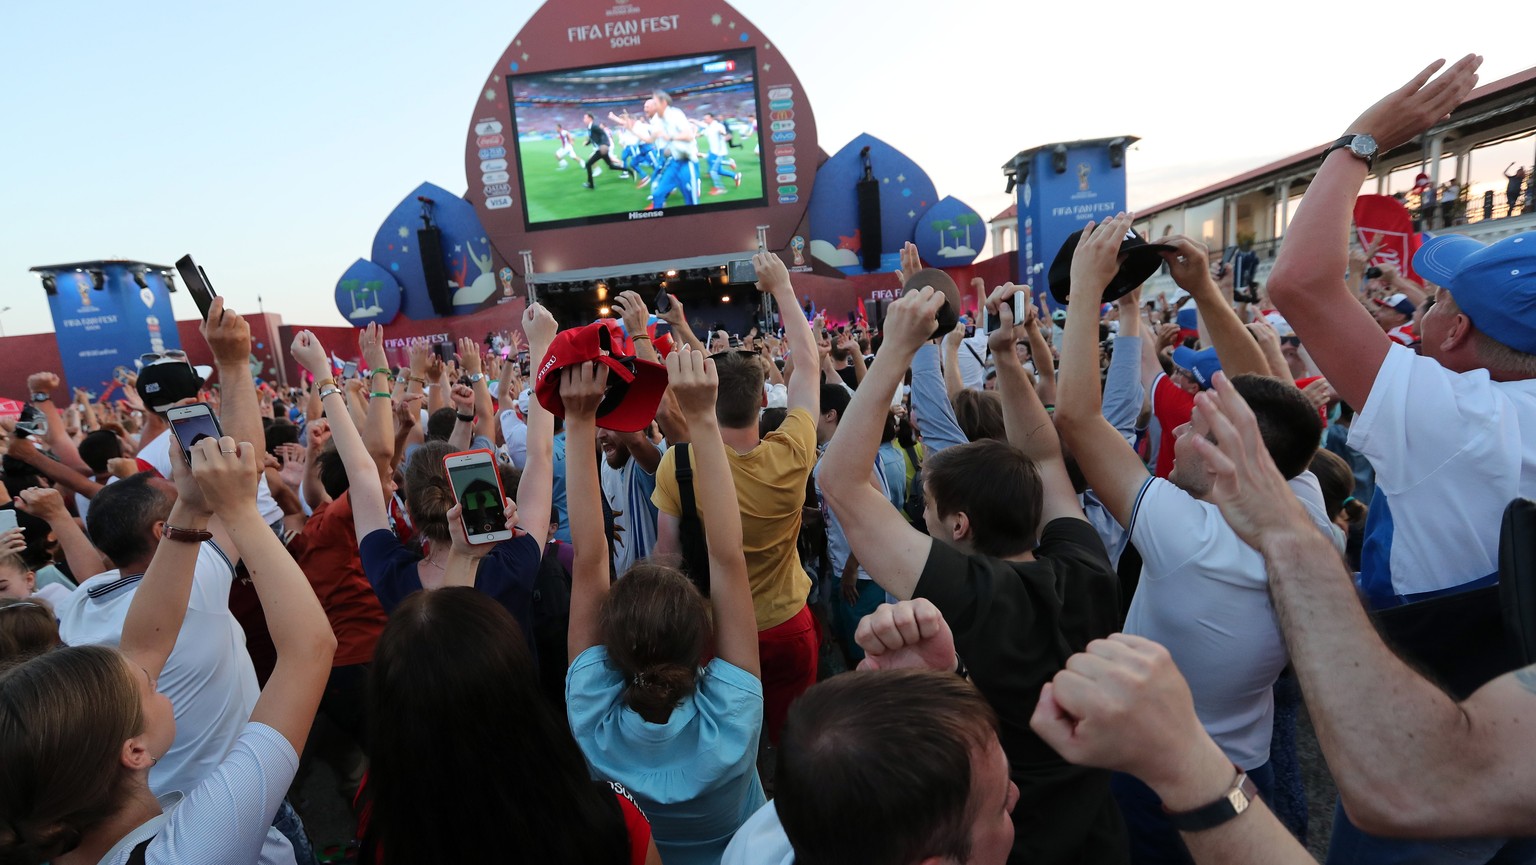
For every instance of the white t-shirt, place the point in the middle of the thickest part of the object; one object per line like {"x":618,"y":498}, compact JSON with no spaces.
{"x":226,"y":819}
{"x":1204,"y":594}
{"x":1450,"y":450}
{"x":673,"y":124}
{"x":628,"y":493}
{"x":714,"y":136}
{"x":157,"y":452}
{"x":837,"y":540}
{"x":514,"y":432}
{"x":973,"y":356}
{"x":208,"y":676}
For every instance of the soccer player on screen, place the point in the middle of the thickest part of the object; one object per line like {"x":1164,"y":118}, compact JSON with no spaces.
{"x":677,"y":140}
{"x":598,"y":140}
{"x":566,"y":151}
{"x":715,"y":135}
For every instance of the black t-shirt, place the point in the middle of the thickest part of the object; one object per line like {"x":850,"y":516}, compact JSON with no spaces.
{"x":597,"y":136}
{"x":849,"y":375}
{"x":1015,"y":625}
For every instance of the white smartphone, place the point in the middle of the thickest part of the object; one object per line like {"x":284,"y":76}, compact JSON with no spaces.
{"x":477,"y":487}
{"x":191,"y":424}
{"x":7,"y":520}
{"x":349,"y":370}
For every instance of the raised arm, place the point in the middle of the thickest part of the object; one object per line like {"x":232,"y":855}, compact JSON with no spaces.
{"x":1268,"y":340}
{"x":879,"y":536}
{"x":474,"y":366}
{"x":1340,"y":334}
{"x":631,"y":307}
{"x":1407,"y":758}
{"x":953,"y":383}
{"x":1040,"y":351}
{"x":369,"y":513}
{"x":1112,"y":468}
{"x":773,"y":278}
{"x":298,"y":626}
{"x":45,"y":383}
{"x":535,"y":492}
{"x":581,"y":390}
{"x":1235,"y":347}
{"x":379,"y":421}
{"x":1025,"y":419}
{"x":1123,"y":394}
{"x":692,"y":377}
{"x":160,"y":605}
{"x":229,"y":338}
{"x":46,"y":504}
{"x":677,"y":318}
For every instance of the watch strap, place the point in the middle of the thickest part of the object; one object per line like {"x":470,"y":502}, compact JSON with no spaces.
{"x":1234,"y":802}
{"x":39,"y":396}
{"x":185,"y":536}
{"x":465,"y":418}
{"x":1343,"y":144}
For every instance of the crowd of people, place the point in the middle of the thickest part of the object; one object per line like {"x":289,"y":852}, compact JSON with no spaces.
{"x":1048,"y":591}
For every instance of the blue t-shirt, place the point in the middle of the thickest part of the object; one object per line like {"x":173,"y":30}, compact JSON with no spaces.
{"x":695,"y":776}
{"x":506,"y":574}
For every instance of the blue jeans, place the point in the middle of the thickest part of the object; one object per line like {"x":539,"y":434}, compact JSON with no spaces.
{"x":1350,"y":846}
{"x":1153,"y":839}
{"x":846,"y":616}
{"x":287,"y":822}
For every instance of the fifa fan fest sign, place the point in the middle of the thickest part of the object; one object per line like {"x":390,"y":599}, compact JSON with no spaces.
{"x":102,"y":331}
{"x":1060,"y":188}
{"x":613,"y":133}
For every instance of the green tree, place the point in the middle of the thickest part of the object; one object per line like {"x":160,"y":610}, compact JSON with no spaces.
{"x":941,"y":226}
{"x":967,"y":220}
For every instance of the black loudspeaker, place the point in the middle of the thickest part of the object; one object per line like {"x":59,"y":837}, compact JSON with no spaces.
{"x":429,"y":242}
{"x":869,"y":223}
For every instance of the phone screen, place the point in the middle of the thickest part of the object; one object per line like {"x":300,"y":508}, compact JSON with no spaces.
{"x":191,"y":424}
{"x":742,"y":270}
{"x":478,"y":490}
{"x":196,"y":280}
{"x":349,"y":369}
{"x":663,"y":302}
{"x":7,"y":519}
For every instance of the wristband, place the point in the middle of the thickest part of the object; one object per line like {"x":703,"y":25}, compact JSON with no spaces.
{"x":640,"y":336}
{"x":185,"y":536}
{"x":325,"y":392}
{"x":381,"y":393}
{"x":383,"y":370}
{"x":466,"y":418}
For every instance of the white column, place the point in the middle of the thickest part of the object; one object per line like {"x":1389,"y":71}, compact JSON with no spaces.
{"x":1285,"y":208}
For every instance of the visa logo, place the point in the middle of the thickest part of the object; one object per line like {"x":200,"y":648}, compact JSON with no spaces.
{"x":495,"y":177}
{"x":498,"y":202}
{"x":488,"y":127}
{"x":783,"y":136}
{"x":492,"y":152}
{"x":494,"y":165}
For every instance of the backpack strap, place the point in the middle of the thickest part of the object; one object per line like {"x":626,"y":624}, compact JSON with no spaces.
{"x":685,"y":481}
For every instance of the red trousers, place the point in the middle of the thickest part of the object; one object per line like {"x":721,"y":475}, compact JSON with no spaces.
{"x":788,"y":653}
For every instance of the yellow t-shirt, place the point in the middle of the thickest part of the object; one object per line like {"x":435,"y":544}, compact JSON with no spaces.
{"x":770,"y":487}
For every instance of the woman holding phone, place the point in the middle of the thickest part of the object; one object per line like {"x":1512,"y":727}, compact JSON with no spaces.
{"x":505,"y":571}
{"x":80,"y":727}
{"x":646,"y":709}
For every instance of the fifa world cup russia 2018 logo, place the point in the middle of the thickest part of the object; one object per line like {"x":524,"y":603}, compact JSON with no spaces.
{"x":797,"y":247}
{"x":506,"y":281}
{"x":1082,"y":176}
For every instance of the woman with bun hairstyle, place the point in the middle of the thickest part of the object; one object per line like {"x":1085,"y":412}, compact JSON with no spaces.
{"x":646,"y":709}
{"x":81,"y":727}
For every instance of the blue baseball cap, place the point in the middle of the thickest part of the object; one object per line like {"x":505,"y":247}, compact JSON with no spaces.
{"x":1189,"y":318}
{"x":1494,"y":284}
{"x":1203,"y":365}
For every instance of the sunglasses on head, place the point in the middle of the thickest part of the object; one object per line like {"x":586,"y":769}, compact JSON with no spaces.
{"x":150,"y":358}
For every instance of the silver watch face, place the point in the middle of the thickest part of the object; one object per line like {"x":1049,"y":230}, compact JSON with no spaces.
{"x":1363,"y":146}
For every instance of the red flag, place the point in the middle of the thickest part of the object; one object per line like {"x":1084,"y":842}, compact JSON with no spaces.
{"x":1383,"y":215}
{"x":863,"y":316}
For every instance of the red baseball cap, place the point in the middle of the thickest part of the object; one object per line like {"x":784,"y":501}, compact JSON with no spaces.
{"x":635,"y":387}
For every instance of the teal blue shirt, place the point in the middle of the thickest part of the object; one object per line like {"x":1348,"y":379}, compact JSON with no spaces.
{"x":694,"y":777}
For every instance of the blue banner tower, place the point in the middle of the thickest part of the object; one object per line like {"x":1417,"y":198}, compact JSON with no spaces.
{"x":1060,"y":187}
{"x":107,"y":313}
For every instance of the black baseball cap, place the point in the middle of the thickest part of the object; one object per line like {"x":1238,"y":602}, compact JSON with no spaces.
{"x":162,"y":385}
{"x":1138,"y":261}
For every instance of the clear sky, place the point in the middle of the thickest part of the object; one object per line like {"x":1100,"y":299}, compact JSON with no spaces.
{"x":271,"y":139}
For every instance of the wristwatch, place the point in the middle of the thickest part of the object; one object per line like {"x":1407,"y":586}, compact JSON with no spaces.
{"x":41,"y":397}
{"x":1234,"y":802}
{"x":327,"y":391}
{"x":476,"y":376}
{"x":1362,"y":146}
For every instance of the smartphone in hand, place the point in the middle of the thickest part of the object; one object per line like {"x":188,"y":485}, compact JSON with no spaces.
{"x":477,"y":488}
{"x":191,"y":424}
{"x":196,"y":280}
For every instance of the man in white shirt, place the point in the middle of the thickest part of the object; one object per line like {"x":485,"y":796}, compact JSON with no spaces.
{"x":676,"y":140}
{"x":514,"y":430}
{"x":720,"y":161}
{"x":1202,"y":592}
{"x":628,"y":475}
{"x":208,"y":677}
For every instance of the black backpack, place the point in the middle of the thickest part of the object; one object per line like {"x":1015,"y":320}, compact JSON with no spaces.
{"x":695,"y":546}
